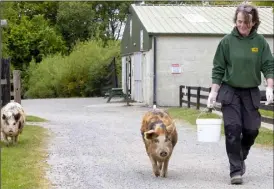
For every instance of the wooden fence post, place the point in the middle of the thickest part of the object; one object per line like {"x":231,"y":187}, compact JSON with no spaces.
{"x":5,"y":85}
{"x":198,"y":98}
{"x":188,"y":96}
{"x":181,"y":95}
{"x":17,"y":86}
{"x":210,"y":109}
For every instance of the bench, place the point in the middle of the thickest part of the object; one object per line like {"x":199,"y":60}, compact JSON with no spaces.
{"x":115,"y":92}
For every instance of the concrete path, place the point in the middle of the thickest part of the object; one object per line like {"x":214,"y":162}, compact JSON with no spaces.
{"x":98,"y":145}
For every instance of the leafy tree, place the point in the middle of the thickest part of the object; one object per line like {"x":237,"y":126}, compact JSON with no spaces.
{"x":78,"y":21}
{"x":75,"y":20}
{"x":30,"y":9}
{"x":110,"y":17}
{"x":32,"y":39}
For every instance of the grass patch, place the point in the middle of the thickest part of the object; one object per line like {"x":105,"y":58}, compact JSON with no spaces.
{"x":35,"y":119}
{"x":265,"y":137}
{"x":23,"y":165}
{"x":267,"y":113}
{"x":190,"y":115}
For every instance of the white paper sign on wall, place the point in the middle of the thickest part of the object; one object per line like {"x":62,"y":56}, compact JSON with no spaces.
{"x":176,"y":69}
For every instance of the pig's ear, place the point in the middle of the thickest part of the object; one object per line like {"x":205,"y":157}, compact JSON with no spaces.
{"x":171,"y":128}
{"x":4,"y":116}
{"x":17,"y":116}
{"x":150,"y":134}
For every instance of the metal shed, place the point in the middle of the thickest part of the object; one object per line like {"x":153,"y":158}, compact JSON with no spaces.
{"x":165,"y":46}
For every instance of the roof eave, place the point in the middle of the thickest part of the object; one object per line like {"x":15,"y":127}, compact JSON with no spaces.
{"x":185,"y":34}
{"x":196,"y":34}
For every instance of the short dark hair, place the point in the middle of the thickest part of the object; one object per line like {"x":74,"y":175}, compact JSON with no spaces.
{"x":247,"y":9}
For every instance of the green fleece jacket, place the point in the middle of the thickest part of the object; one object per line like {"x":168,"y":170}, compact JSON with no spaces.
{"x":239,"y":60}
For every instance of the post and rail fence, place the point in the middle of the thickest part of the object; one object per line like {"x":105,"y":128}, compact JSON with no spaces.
{"x":188,"y":91}
{"x":10,"y":84}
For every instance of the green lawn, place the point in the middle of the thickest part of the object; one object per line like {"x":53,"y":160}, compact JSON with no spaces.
{"x":23,"y":165}
{"x":190,"y":115}
{"x":35,"y":119}
{"x":266,"y":113}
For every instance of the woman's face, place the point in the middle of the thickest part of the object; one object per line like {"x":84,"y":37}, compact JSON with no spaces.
{"x":244,"y":27}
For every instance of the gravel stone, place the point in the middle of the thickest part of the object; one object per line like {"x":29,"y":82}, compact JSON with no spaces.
{"x":98,"y":145}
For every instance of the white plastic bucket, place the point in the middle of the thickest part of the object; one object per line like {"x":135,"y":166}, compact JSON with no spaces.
{"x":209,"y":129}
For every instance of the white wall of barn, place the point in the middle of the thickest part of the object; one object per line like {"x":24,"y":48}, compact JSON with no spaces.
{"x":194,"y":54}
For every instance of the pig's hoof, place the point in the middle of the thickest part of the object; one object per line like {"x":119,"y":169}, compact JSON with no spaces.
{"x":163,"y":174}
{"x":157,"y":173}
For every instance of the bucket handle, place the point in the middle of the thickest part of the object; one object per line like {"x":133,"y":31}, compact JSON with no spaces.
{"x":203,"y":111}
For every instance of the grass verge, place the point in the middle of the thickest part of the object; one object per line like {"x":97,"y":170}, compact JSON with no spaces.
{"x":267,"y":113}
{"x":23,"y":165}
{"x":265,"y":138}
{"x":31,"y":118}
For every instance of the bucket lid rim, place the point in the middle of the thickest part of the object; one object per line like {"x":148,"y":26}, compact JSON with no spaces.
{"x":209,"y":121}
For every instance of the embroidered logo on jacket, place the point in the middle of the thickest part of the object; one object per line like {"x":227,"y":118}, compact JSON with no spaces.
{"x":254,"y":49}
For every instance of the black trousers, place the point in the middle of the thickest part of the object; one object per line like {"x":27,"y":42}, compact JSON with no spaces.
{"x":242,"y":121}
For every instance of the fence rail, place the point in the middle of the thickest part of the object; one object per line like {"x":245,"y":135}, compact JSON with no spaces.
{"x":198,"y":96}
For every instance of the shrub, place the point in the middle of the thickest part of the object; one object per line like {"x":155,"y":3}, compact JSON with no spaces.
{"x":79,"y":74}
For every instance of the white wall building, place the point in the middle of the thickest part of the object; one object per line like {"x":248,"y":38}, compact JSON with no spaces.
{"x":165,"y":46}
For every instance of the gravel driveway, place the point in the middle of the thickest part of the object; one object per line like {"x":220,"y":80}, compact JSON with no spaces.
{"x":98,"y":145}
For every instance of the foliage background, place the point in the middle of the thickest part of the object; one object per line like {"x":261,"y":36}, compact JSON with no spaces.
{"x":63,"y":48}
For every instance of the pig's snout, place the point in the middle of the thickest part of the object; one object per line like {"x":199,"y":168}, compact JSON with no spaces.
{"x":10,"y":132}
{"x":163,"y":154}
